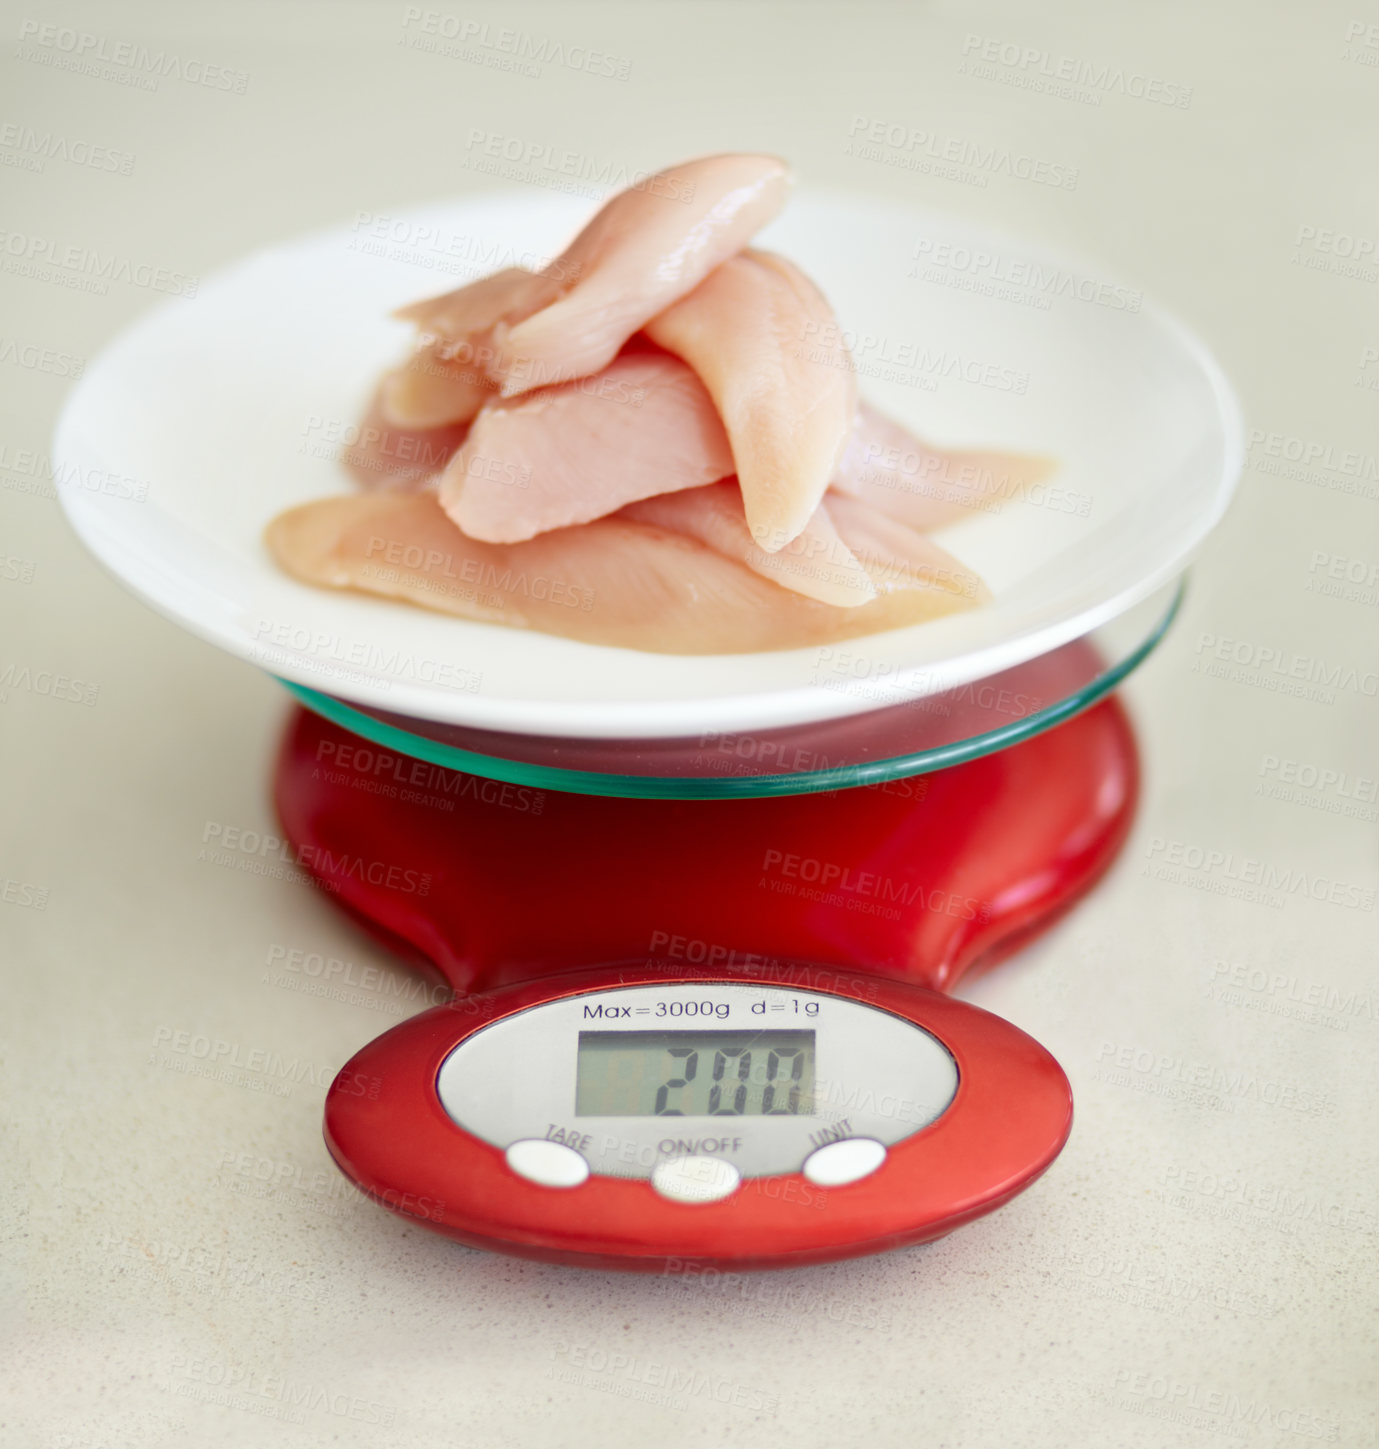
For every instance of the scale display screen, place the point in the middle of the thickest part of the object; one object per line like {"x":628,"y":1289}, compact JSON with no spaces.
{"x":695,"y":1074}
{"x":761,"y":1078}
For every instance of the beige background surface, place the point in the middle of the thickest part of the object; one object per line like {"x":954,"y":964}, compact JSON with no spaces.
{"x":1198,"y":1267}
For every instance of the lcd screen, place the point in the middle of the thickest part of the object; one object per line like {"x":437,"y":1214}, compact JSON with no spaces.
{"x":695,"y":1074}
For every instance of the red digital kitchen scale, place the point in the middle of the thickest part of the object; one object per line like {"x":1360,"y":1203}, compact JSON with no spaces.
{"x":700,"y":1010}
{"x":700,"y":914}
{"x":693,"y":1031}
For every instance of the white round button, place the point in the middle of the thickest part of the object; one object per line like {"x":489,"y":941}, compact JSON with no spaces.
{"x":695,"y":1179}
{"x":842,"y":1162}
{"x":552,"y":1164}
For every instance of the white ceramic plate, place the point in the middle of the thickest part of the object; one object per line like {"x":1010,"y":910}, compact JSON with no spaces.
{"x":209,"y":416}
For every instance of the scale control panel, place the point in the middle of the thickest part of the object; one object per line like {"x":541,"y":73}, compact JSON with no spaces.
{"x":697,"y":1086}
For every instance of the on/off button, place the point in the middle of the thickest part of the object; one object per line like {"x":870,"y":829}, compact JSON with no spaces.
{"x":695,"y":1179}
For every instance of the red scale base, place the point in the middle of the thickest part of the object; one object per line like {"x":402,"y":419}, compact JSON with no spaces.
{"x":902,"y":888}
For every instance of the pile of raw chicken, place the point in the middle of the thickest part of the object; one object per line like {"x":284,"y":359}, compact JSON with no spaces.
{"x":655,"y":442}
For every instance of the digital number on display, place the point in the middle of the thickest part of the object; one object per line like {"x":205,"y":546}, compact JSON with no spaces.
{"x":695,"y":1074}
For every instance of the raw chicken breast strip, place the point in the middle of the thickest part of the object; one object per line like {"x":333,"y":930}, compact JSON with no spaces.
{"x":471,"y":311}
{"x":433,"y":388}
{"x":380,"y":454}
{"x":898,"y":557}
{"x":646,"y":248}
{"x":572,"y":453}
{"x":765,"y":342}
{"x":817,"y":563}
{"x":886,"y":466}
{"x":447,"y":379}
{"x":644,"y":428}
{"x":614,"y":581}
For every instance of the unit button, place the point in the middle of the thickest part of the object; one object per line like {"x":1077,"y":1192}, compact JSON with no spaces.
{"x":552,"y":1164}
{"x":842,"y":1162}
{"x":695,"y":1179}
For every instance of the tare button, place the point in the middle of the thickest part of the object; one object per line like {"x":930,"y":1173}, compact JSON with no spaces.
{"x":550,"y":1163}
